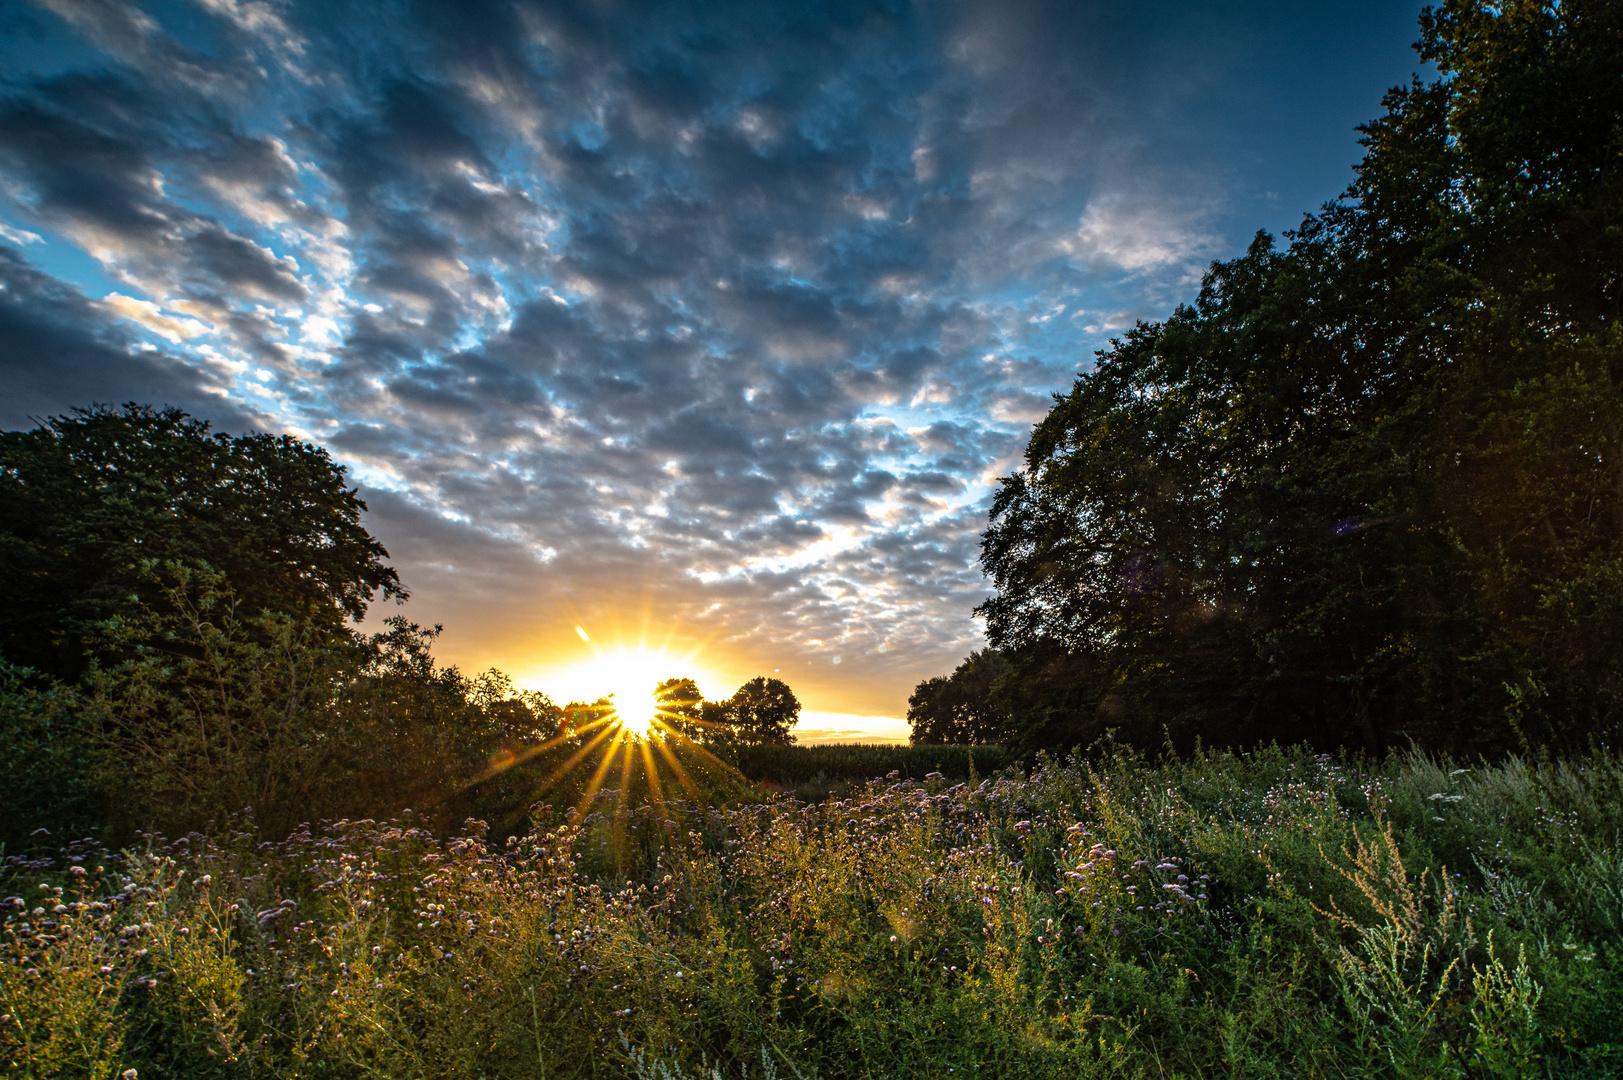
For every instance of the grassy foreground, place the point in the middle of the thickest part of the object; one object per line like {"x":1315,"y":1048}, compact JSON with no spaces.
{"x":1276,"y":914}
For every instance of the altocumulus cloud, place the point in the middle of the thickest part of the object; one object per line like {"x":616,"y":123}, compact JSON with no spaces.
{"x":714,"y":320}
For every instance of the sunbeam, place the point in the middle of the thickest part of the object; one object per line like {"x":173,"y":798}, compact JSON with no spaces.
{"x":602,"y":769}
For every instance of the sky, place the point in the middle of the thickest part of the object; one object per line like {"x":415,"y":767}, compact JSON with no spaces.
{"x":699,"y":330}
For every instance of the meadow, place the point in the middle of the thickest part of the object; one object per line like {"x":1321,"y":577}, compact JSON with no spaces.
{"x":1274,"y":914}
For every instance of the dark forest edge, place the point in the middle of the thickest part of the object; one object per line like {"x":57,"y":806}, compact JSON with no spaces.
{"x":1367,"y":490}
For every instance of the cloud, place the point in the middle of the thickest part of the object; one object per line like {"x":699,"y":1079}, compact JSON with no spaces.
{"x":59,"y":350}
{"x":715,"y":322}
{"x":1139,"y":234}
{"x":19,"y":236}
{"x":150,"y":316}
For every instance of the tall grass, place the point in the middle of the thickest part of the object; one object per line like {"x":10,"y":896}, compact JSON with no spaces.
{"x":1269,"y":915}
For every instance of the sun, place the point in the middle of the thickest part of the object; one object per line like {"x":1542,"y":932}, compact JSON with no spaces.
{"x":634,"y":707}
{"x":628,"y":676}
{"x":638,"y":744}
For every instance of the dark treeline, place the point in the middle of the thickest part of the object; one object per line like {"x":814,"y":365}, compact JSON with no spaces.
{"x":1367,"y":489}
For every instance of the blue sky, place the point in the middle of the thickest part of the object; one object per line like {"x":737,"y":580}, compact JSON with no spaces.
{"x":705,"y":327}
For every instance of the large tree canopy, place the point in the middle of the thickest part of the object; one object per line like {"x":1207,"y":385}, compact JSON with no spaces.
{"x":91,"y":501}
{"x":763,"y":711}
{"x":1368,"y":488}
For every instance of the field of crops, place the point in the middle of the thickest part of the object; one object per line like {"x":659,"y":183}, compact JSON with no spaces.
{"x":815,"y":770}
{"x":1266,"y":915}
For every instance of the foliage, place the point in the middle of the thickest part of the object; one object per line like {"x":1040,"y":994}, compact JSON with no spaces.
{"x":681,"y":707}
{"x":217,"y":710}
{"x":761,"y":712}
{"x":1369,"y":488}
{"x":45,"y":779}
{"x":961,"y":708}
{"x":214,"y":710}
{"x":86,"y":500}
{"x":1267,"y":914}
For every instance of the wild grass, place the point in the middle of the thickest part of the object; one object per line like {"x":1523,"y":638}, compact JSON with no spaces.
{"x":1267,"y":915}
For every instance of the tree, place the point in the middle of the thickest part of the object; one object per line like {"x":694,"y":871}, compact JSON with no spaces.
{"x":521,"y":718}
{"x":582,"y":718}
{"x":762,"y":711}
{"x":1369,"y":488}
{"x":960,"y":708}
{"x":680,"y":707}
{"x":87,"y":500}
{"x":46,"y":775}
{"x":716,"y":723}
{"x":214,"y":710}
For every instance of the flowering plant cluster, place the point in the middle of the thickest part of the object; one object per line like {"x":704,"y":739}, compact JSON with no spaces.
{"x":1224,"y":914}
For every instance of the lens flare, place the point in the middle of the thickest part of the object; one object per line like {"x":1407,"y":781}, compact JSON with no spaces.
{"x":634,"y":706}
{"x":618,"y":729}
{"x":628,"y":676}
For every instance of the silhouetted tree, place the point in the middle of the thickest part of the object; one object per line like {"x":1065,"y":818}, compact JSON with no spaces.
{"x":88,"y":500}
{"x":680,"y":706}
{"x":1369,"y":488}
{"x":716,"y":724}
{"x":763,"y":710}
{"x":960,"y":708}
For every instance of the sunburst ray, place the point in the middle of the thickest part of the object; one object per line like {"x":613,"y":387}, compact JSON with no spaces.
{"x":602,"y":769}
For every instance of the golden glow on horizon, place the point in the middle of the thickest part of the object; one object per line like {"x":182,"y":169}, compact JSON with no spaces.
{"x":618,"y":741}
{"x":628,"y":676}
